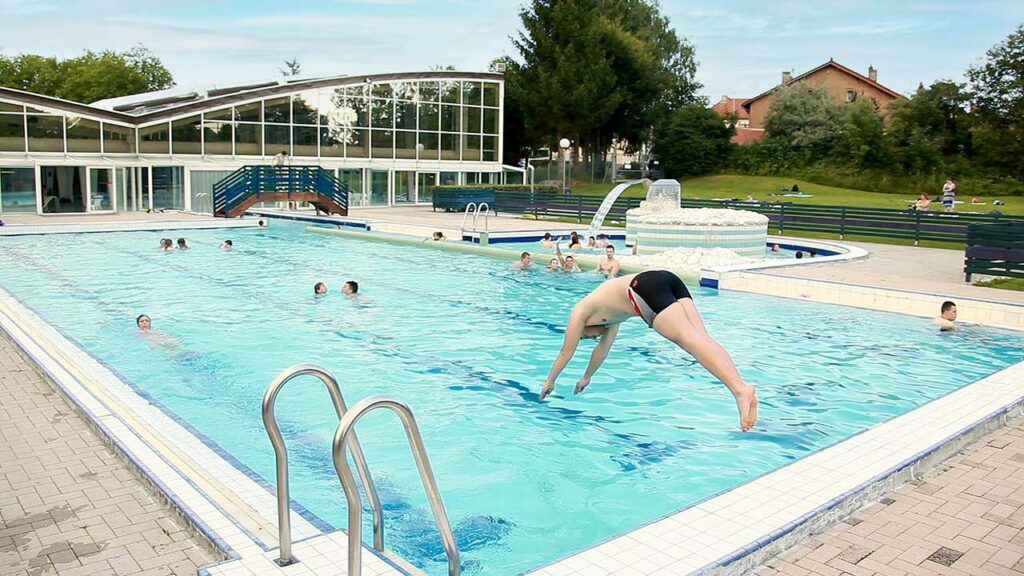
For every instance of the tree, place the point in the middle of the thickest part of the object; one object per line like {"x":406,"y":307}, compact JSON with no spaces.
{"x":939,"y":111}
{"x":694,"y":141}
{"x":865,"y":142}
{"x":808,"y":118}
{"x":291,"y":68}
{"x":593,"y":70}
{"x":998,"y":102}
{"x":87,"y":78}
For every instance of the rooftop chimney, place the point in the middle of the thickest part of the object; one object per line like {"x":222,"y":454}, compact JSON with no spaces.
{"x":787,"y":77}
{"x":872,"y":74}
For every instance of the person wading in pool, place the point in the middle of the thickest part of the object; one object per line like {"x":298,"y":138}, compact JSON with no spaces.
{"x":664,"y":303}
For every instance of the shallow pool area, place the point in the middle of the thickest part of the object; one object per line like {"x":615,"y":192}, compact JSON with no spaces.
{"x":466,"y":342}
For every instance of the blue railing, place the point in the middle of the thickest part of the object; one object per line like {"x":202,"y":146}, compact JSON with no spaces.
{"x":251,"y":182}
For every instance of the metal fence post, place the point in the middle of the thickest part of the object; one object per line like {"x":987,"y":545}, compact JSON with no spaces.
{"x":579,"y":209}
{"x":842,"y":223}
{"x":782,"y":219}
{"x":917,"y":228}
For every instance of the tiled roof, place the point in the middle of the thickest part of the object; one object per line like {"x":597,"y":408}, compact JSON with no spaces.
{"x":727,"y":106}
{"x":835,"y":65}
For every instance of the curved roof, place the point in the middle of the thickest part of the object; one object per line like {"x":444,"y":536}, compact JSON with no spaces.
{"x":153,"y":106}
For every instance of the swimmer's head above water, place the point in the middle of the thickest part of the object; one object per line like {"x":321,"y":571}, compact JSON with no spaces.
{"x":319,"y":288}
{"x":143,"y":322}
{"x":350,"y":288}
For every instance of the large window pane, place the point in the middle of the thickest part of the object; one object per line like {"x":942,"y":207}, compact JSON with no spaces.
{"x":404,"y":191}
{"x":430,"y":117}
{"x":186,"y":136}
{"x":490,"y":121}
{"x":118,"y":139}
{"x":429,"y":143}
{"x":381,"y":142}
{"x":425,"y":186}
{"x":201,"y":188}
{"x":12,"y":132}
{"x":357,"y":143}
{"x":449,"y":178}
{"x":382,"y":113}
{"x":405,"y":144}
{"x":405,"y":90}
{"x":17,"y":189}
{"x":154,"y":139}
{"x":451,"y":92}
{"x":471,"y":120}
{"x":277,"y":111}
{"x":429,"y":91}
{"x":304,"y":140}
{"x":251,"y":112}
{"x":381,"y":91}
{"x":101,"y":186}
{"x":248,"y":139}
{"x":217,"y":136}
{"x":278,"y":139}
{"x":304,"y":108}
{"x":11,"y":107}
{"x":471,"y":93}
{"x":472,"y":147}
{"x":332,"y":144}
{"x":490,"y":151}
{"x":354,"y":178}
{"x":378,"y":187}
{"x":168,"y":187}
{"x":83,"y":135}
{"x":405,"y":116}
{"x":45,"y":133}
{"x":361,"y":109}
{"x":449,"y":146}
{"x":490,"y":94}
{"x":450,"y":121}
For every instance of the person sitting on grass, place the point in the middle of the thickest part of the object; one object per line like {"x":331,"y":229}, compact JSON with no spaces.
{"x":947,"y":315}
{"x":922,"y":202}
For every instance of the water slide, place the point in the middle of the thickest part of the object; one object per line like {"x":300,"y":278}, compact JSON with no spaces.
{"x":606,"y":205}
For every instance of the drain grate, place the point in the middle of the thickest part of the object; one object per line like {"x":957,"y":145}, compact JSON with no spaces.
{"x":945,"y":556}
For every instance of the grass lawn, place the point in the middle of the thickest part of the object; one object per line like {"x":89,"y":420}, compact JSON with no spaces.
{"x":734,"y":186}
{"x":1004,"y":283}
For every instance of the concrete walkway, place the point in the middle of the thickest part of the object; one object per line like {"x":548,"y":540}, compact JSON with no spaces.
{"x":931,"y":270}
{"x":68,"y":504}
{"x":964,"y":521}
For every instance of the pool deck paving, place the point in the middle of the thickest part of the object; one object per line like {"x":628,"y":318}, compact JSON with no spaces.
{"x":964,"y":520}
{"x":68,"y":504}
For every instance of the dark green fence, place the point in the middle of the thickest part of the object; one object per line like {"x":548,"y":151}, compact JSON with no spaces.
{"x":995,"y":250}
{"x":784,"y":217}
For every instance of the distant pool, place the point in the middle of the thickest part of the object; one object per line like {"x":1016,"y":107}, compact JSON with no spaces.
{"x":466,"y":341}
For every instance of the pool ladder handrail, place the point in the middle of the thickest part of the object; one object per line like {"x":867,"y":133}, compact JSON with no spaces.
{"x":342,"y":436}
{"x":281,"y":457}
{"x":476,"y":210}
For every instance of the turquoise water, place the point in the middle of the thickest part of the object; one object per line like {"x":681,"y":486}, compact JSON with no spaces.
{"x":467,"y":343}
{"x":541,"y":253}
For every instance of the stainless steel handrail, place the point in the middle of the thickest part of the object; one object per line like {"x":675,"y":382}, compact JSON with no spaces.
{"x":284,"y":524}
{"x":471,"y":207}
{"x":419,"y":453}
{"x":486,"y":209}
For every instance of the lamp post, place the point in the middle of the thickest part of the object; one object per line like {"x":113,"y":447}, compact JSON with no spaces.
{"x":564,"y":144}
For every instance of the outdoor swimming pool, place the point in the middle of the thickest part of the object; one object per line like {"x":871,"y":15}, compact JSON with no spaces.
{"x":467,"y":342}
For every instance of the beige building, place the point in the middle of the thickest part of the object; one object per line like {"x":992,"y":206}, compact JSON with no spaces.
{"x":840,"y":81}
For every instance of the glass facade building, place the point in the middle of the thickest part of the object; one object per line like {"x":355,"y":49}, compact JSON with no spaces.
{"x":392,"y":138}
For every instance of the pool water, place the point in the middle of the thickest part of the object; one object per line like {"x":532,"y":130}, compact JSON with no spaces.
{"x":540,"y":253}
{"x":467,"y":342}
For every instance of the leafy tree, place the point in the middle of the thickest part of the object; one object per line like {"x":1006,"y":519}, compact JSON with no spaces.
{"x":808,"y":118}
{"x":291,"y":68}
{"x":940,"y":112}
{"x":592,"y":70}
{"x":694,"y":141}
{"x":998,"y":102}
{"x":865,"y":143}
{"x":87,"y":78}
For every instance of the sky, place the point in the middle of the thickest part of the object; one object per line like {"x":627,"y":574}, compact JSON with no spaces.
{"x":742,"y":47}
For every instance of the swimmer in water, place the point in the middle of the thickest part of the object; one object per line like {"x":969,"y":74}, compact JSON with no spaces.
{"x":661,"y":299}
{"x":155,"y":337}
{"x":568,"y":262}
{"x":524,"y":261}
{"x":319,"y":289}
{"x":608,"y":265}
{"x":350,"y":288}
{"x":227,"y":245}
{"x":946,"y":317}
{"x":546,"y":240}
{"x":182,"y":245}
